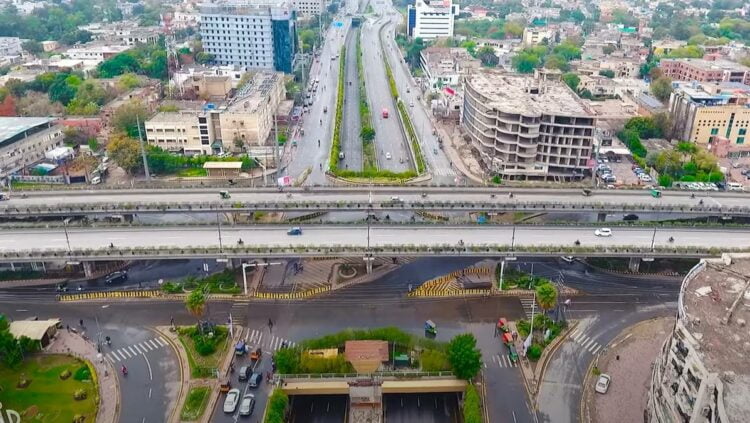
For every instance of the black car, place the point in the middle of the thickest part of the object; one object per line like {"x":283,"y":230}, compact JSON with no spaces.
{"x":116,"y":277}
{"x":630,"y":217}
{"x":244,"y":373}
{"x":255,"y":380}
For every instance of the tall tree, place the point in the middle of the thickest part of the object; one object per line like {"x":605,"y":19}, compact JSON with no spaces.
{"x":128,"y":115}
{"x":125,"y":152}
{"x":662,"y":88}
{"x":488,"y":57}
{"x":546,"y":296}
{"x":464,"y":356}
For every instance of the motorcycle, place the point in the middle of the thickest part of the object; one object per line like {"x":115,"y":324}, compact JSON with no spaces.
{"x":671,"y":239}
{"x":124,"y":371}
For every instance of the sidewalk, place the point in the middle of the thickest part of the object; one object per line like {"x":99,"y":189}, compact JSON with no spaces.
{"x":109,"y":389}
{"x":627,"y":360}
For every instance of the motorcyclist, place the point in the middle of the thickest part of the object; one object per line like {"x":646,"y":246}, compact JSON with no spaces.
{"x":318,"y":143}
{"x":124,"y":370}
{"x":671,"y":239}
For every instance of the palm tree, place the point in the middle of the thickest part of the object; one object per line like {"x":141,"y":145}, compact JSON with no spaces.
{"x":195,"y":303}
{"x":546,"y":296}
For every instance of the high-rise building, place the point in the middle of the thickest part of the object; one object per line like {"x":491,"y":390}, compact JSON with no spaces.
{"x":253,"y":35}
{"x":430,"y":19}
{"x":701,"y":374}
{"x":309,"y":7}
{"x":702,"y":113}
{"x":526,"y":127}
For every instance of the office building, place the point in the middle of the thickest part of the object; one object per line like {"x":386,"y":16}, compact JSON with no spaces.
{"x":252,"y":35}
{"x":701,"y":113}
{"x":536,"y":35}
{"x":701,"y":374}
{"x":238,"y":124}
{"x":24,"y":140}
{"x":701,"y":70}
{"x":309,"y":7}
{"x":526,"y":127}
{"x":429,"y":19}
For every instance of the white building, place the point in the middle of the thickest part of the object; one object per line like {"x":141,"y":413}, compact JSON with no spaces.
{"x":430,"y":19}
{"x":309,"y":7}
{"x":24,"y":140}
{"x":97,"y":53}
{"x":10,"y":46}
{"x":533,"y":36}
{"x":251,"y":35}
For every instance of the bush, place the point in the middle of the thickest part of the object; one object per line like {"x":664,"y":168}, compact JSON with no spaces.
{"x":313,"y":364}
{"x":434,"y":361}
{"x":82,"y":373}
{"x":534,"y":352}
{"x":203,"y":343}
{"x":65,"y":375}
{"x":276,"y":408}
{"x":465,"y":358}
{"x":171,"y":287}
{"x":80,"y":395}
{"x":472,"y":408}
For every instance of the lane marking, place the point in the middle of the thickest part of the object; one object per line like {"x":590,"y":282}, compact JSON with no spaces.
{"x":150,"y":374}
{"x":124,"y":352}
{"x":131,"y":350}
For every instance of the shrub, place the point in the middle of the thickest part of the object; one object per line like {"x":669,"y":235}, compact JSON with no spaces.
{"x":171,"y":287}
{"x":465,"y":358}
{"x":534,"y":352}
{"x":82,"y":373}
{"x":277,"y":404}
{"x":472,"y":409}
{"x":434,"y":361}
{"x":80,"y":395}
{"x":65,"y":374}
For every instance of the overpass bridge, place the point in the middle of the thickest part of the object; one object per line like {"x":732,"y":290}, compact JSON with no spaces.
{"x":121,"y":201}
{"x":263,"y":241}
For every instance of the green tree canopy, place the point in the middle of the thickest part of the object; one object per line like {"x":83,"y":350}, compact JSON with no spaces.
{"x":572,"y":80}
{"x":127,"y":116}
{"x":662,"y":88}
{"x":125,"y":152}
{"x":464,"y":356}
{"x":195,"y":303}
{"x":546,"y":296}
{"x":488,"y":57}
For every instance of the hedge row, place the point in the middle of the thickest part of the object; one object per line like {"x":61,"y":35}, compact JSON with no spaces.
{"x":367,"y":133}
{"x":336,"y":145}
{"x":472,"y":408}
{"x":276,"y":408}
{"x":412,"y":136}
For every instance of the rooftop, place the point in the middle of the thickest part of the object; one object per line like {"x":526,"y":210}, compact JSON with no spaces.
{"x":12,"y":126}
{"x":254,"y":94}
{"x":518,"y":93}
{"x":712,"y":65}
{"x":173,"y":117}
{"x":717,"y":305}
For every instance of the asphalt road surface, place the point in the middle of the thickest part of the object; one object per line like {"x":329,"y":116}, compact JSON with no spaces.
{"x":414,"y":194}
{"x":389,"y":136}
{"x":12,"y":240}
{"x":438,"y":163}
{"x":351,"y":143}
{"x":318,"y":409}
{"x":421,"y":408}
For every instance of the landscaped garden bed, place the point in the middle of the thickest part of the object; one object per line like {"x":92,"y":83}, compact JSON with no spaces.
{"x":205,"y":349}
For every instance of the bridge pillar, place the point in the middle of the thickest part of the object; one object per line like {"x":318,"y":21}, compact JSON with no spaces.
{"x":601,"y":217}
{"x":635,"y":264}
{"x":713,"y":219}
{"x":368,"y":263}
{"x":88,"y":269}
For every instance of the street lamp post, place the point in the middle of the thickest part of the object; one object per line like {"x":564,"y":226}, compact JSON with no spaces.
{"x":67,"y":239}
{"x":653,"y":240}
{"x":218,"y":227}
{"x":246,"y":265}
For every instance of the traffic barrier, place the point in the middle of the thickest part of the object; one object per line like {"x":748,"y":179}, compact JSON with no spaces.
{"x":105,"y":295}
{"x":447,"y":285}
{"x":291,"y":295}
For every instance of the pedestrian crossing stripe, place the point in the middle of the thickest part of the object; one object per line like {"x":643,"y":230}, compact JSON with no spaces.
{"x":140,"y":348}
{"x":272,"y":343}
{"x":589,"y":344}
{"x":503,"y":361}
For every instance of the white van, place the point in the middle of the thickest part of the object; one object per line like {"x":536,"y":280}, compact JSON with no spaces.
{"x":735,"y":186}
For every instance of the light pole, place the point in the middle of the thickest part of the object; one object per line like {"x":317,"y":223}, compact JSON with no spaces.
{"x":513,"y":239}
{"x":218,"y":227}
{"x":653,"y":240}
{"x":246,"y":265}
{"x":67,"y":239}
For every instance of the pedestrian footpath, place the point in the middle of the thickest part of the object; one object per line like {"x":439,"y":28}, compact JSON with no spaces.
{"x":589,"y":344}
{"x":140,"y":348}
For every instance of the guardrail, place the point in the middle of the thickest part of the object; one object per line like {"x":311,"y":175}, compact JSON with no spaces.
{"x":292,"y":205}
{"x":380,"y":375}
{"x":493,"y":250}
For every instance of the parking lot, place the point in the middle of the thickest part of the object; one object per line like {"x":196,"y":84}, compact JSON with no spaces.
{"x":622,"y":174}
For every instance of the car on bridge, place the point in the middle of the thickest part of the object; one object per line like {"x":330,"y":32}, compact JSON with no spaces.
{"x":603,"y":232}
{"x":294,"y":231}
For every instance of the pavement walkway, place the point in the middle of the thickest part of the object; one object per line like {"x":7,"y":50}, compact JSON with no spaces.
{"x":109,"y":389}
{"x":627,"y":360}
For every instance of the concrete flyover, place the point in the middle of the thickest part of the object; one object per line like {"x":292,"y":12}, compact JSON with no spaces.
{"x":77,"y":202}
{"x":117,"y":243}
{"x":390,"y":385}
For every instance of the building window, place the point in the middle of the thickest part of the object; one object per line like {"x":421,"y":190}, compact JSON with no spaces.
{"x":714,"y":131}
{"x":743,"y":131}
{"x":740,"y":140}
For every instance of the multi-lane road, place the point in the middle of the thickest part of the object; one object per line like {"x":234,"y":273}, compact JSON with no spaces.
{"x":351,"y":143}
{"x":359,"y":237}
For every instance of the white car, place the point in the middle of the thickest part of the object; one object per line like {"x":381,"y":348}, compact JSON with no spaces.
{"x":248,"y":405}
{"x":603,"y":232}
{"x":230,"y":403}
{"x":602,"y":384}
{"x":388,"y":156}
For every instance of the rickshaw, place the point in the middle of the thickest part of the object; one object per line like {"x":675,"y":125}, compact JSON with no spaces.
{"x":507,"y":338}
{"x":430,"y":328}
{"x":224,"y":195}
{"x":512,"y":353}
{"x":240,"y":348}
{"x":655,"y":193}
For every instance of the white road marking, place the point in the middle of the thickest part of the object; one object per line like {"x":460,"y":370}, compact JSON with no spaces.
{"x":161,"y":341}
{"x":150,"y":375}
{"x":131,"y":350}
{"x":596,"y":350}
{"x":124,"y":352}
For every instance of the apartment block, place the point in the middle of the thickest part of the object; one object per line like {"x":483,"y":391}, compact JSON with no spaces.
{"x":243,"y":122}
{"x":309,"y":7}
{"x":702,"y":113}
{"x":253,"y":35}
{"x":429,"y":19}
{"x":701,"y":374}
{"x":526,"y":127}
{"x":701,"y":70}
{"x":10,"y":46}
{"x":444,"y":66}
{"x":535,"y":35}
{"x":24,"y":140}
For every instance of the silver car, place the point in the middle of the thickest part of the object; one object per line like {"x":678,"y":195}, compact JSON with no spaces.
{"x":247,"y":405}
{"x":230,"y":403}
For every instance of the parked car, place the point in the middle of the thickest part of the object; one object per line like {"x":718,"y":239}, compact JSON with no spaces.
{"x":245,"y":372}
{"x":255,"y":380}
{"x":568,"y":259}
{"x":248,"y":405}
{"x":602,"y":384}
{"x":603,"y":232}
{"x":230,"y":403}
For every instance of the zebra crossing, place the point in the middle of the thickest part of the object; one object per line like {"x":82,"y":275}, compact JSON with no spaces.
{"x":527,"y":303}
{"x":267,"y":342}
{"x":502,"y":360}
{"x":589,"y":344}
{"x":140,"y":348}
{"x":238,"y":312}
{"x":443,"y":171}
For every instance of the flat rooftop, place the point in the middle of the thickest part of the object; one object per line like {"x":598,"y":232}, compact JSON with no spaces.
{"x":725,"y":65}
{"x":514,"y":93}
{"x":173,"y":117}
{"x":720,"y":298}
{"x":12,"y":126}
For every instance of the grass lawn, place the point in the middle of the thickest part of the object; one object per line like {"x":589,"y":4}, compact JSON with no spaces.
{"x":201,"y":366}
{"x":48,"y":398}
{"x":192,"y":172}
{"x":195,"y":403}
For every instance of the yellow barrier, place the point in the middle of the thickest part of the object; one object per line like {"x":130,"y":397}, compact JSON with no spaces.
{"x":446,"y":285}
{"x":291,"y":295}
{"x":109,"y":295}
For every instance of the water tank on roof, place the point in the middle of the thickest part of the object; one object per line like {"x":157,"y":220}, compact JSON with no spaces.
{"x":210,"y":106}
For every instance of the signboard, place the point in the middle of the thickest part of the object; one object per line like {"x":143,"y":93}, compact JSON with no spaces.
{"x":285,"y":181}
